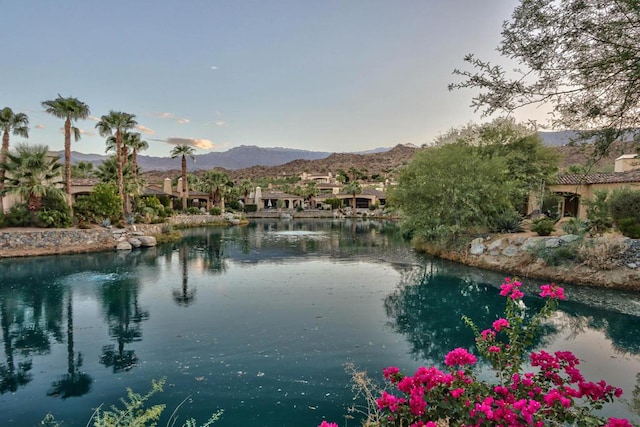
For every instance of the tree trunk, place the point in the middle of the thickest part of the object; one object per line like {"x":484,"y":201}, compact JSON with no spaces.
{"x":3,"y":158}
{"x":120,"y":178}
{"x":67,"y":158}
{"x":184,"y":183}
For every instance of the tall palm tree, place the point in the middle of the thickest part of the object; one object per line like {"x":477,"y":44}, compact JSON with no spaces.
{"x":183,"y":151}
{"x":137,"y":144}
{"x":32,"y":174}
{"x":116,"y":123}
{"x":70,"y":109}
{"x":10,"y":122}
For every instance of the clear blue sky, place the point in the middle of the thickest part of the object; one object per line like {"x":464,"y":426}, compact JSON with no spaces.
{"x":323,"y":75}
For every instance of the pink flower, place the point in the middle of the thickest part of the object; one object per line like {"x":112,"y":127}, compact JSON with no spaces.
{"x":500,"y":323}
{"x":488,"y":334}
{"x":618,"y":422}
{"x":494,"y":349}
{"x":457,"y":392}
{"x":511,"y":289}
{"x":459,"y":356}
{"x":390,"y":373}
{"x":552,"y":291}
{"x":326,"y":424}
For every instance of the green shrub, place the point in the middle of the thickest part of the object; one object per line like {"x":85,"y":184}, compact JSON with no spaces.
{"x":215,"y":211}
{"x":625,"y":211}
{"x":251,"y":208}
{"x":543,"y":226}
{"x":102,"y":202}
{"x":194,"y":211}
{"x":299,"y":208}
{"x":507,"y":221}
{"x":2,"y":220}
{"x":561,"y":255}
{"x":599,"y":213}
{"x":574,"y":226}
{"x":50,"y":218}
{"x":18,"y":216}
{"x":334,"y":202}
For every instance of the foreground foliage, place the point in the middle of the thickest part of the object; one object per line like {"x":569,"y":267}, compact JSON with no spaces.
{"x":133,"y":413}
{"x":535,"y":390}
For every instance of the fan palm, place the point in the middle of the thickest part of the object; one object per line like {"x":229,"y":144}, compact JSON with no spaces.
{"x":70,"y":109}
{"x":32,"y":174}
{"x":115,"y":124}
{"x":10,"y":122}
{"x":183,"y":151}
{"x":353,"y":188}
{"x":214,"y":183}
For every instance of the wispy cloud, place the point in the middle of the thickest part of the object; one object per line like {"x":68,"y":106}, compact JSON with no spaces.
{"x":221,"y":123}
{"x":213,"y":67}
{"x":146,"y":130}
{"x":82,"y":132}
{"x":39,"y":126}
{"x":94,"y":118}
{"x":203,"y":144}
{"x":171,"y":116}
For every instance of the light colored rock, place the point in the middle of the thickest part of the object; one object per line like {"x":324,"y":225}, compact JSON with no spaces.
{"x":516,"y":240}
{"x":495,"y":245}
{"x":531,"y":243}
{"x":510,"y":251}
{"x":552,"y":242}
{"x":123,"y":246}
{"x":147,"y":241}
{"x":234,"y":221}
{"x":136,"y":243}
{"x":137,"y":233}
{"x":632,"y":265}
{"x":477,"y":247}
{"x":568,"y":238}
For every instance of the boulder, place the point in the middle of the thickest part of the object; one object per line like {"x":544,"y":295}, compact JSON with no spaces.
{"x":123,"y":246}
{"x":552,"y":242}
{"x":568,"y":238}
{"x":135,"y":242}
{"x":147,"y":241}
{"x":510,"y":251}
{"x":477,"y":246}
{"x":495,"y":245}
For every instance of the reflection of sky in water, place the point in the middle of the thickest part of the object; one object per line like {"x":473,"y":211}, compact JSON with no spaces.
{"x":266,"y":340}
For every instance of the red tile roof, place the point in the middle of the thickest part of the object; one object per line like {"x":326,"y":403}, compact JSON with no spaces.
{"x":599,"y":178}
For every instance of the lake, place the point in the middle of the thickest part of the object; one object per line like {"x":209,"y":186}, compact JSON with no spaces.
{"x":260,"y":321}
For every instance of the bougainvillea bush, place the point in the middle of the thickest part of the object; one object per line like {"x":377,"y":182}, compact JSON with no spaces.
{"x":530,"y":389}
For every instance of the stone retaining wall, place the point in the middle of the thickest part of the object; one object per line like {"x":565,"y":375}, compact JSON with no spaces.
{"x":18,"y":242}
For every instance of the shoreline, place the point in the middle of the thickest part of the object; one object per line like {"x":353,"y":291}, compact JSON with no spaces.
{"x":33,"y":242}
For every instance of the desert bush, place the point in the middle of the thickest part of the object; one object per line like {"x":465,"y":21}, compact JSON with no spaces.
{"x":193,"y":211}
{"x":602,"y":254}
{"x":506,"y":221}
{"x":561,"y":255}
{"x":3,"y":222}
{"x":250,"y":208}
{"x":51,"y":218}
{"x":102,"y":202}
{"x":599,"y":213}
{"x":625,"y":211}
{"x":575,"y":226}
{"x":215,"y":211}
{"x":543,"y":226}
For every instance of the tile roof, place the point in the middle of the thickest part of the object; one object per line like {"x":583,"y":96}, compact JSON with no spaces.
{"x":599,"y":178}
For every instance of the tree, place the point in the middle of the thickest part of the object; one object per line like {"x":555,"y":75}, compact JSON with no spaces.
{"x":82,"y":169}
{"x":448,"y":190}
{"x":215,"y":183}
{"x":16,"y":123}
{"x":137,"y":144}
{"x":353,"y":188}
{"x":117,"y":122}
{"x":579,"y":56}
{"x":70,"y":109}
{"x":183,"y":151}
{"x":32,"y":174}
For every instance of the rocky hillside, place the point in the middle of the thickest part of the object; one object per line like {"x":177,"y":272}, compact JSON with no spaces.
{"x":380,"y":163}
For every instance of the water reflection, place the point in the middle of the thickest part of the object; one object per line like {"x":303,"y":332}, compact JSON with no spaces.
{"x":124,"y":318}
{"x":74,"y":383}
{"x":259,"y":320}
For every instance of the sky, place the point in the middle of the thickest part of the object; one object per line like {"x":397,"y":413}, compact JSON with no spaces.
{"x":320,"y":75}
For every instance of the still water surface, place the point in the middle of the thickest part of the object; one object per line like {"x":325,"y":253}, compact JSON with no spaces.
{"x":260,"y":320}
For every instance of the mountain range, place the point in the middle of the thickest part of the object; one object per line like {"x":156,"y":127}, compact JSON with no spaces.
{"x":249,"y":156}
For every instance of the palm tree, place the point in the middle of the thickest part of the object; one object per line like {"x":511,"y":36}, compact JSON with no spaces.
{"x":183,"y":151}
{"x":353,"y":188}
{"x":32,"y":175}
{"x":70,"y":109}
{"x":82,"y":169}
{"x":10,"y":122}
{"x":117,"y":122}
{"x":137,"y":144}
{"x":214,"y":182}
{"x":245,"y":188}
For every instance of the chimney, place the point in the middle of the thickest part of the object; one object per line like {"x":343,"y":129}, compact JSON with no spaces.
{"x":166,"y":187}
{"x":627,"y":162}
